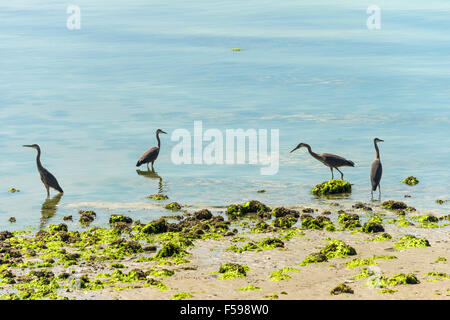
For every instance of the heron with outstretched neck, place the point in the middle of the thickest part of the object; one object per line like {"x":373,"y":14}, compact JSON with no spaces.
{"x":330,"y":160}
{"x":47,"y":178}
{"x":377,"y":169}
{"x":150,"y":155}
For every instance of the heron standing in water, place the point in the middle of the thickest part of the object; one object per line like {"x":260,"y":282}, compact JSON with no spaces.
{"x":330,"y":160}
{"x":150,"y":155}
{"x":47,"y":178}
{"x":376,"y":170}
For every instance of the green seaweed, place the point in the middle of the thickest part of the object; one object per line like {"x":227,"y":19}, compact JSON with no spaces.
{"x":341,"y":288}
{"x":410,"y":241}
{"x":332,"y":187}
{"x":411,"y":181}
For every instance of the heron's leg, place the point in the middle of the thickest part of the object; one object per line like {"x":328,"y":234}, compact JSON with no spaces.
{"x":371,"y":192}
{"x":332,"y":176}
{"x":148,"y":167}
{"x":342,"y":175}
{"x":48,"y":191}
{"x":379,"y":191}
{"x":153,"y":169}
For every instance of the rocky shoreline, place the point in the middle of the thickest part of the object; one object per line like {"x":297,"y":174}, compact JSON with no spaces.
{"x":248,"y":251}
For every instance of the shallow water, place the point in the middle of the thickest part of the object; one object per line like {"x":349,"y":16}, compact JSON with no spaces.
{"x":92,"y":98}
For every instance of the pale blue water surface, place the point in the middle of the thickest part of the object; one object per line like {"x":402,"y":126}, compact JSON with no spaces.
{"x":93,"y":98}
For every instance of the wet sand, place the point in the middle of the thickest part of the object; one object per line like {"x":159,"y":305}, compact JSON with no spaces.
{"x":200,"y":278}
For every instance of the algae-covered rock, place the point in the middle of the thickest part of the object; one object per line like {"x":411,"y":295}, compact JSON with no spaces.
{"x":115,"y":218}
{"x":13,"y":190}
{"x":232,"y":270}
{"x":158,"y":196}
{"x":203,"y":214}
{"x":337,"y":248}
{"x":174,"y":206}
{"x":170,"y":250}
{"x":373,"y":227}
{"x":394,"y":205}
{"x":240,"y":210}
{"x":411,"y":181}
{"x":332,"y":187}
{"x":57,"y":228}
{"x":154,"y":227}
{"x":315,"y":257}
{"x":87,"y":216}
{"x":284,"y":222}
{"x":342,"y":288}
{"x":282,"y":212}
{"x":348,"y":220}
{"x":410,"y":241}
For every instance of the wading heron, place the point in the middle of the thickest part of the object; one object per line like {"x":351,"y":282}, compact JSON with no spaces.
{"x":376,"y":170}
{"x":330,"y":160}
{"x":47,"y":178}
{"x":150,"y":155}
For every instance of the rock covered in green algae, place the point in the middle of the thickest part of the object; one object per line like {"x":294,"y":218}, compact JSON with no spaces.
{"x":337,"y":248}
{"x":154,"y":227}
{"x":170,"y":250}
{"x":174,"y":206}
{"x":348,"y":220}
{"x":158,"y":196}
{"x":240,"y":210}
{"x":411,"y":181}
{"x":342,"y":288}
{"x":332,"y":187}
{"x":232,"y":270}
{"x":373,"y":227}
{"x":282,"y":212}
{"x":13,"y":190}
{"x":394,"y":205}
{"x":87,"y":216}
{"x":317,"y":223}
{"x":284,"y":222}
{"x":203,"y":214}
{"x":115,"y":218}
{"x":315,"y":257}
{"x":410,"y":241}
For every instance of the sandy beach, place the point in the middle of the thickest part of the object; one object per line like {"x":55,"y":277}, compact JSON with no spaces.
{"x":270,"y":272}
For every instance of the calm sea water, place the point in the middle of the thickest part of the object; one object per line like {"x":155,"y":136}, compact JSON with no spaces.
{"x":93,"y":98}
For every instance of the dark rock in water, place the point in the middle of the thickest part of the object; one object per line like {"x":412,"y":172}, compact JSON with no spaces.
{"x":308,"y":210}
{"x":87,"y":216}
{"x":115,"y":218}
{"x":394,"y":205}
{"x":12,"y":219}
{"x":67,"y":218}
{"x":203,"y":214}
{"x":282,"y":212}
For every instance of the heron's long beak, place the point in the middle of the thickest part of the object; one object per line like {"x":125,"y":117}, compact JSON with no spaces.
{"x":163,"y":132}
{"x":294,"y":149}
{"x":27,"y":145}
{"x":381,"y":140}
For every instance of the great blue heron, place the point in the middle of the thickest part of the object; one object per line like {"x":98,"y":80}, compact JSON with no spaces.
{"x":150,"y":155}
{"x":376,"y":170}
{"x":330,"y":160}
{"x":47,"y":178}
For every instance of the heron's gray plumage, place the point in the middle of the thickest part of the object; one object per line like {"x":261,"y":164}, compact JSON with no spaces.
{"x":47,"y":178}
{"x":332,"y":161}
{"x":151,"y":154}
{"x":376,"y":169}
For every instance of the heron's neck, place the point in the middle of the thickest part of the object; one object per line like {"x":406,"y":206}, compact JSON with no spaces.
{"x":38,"y":158}
{"x":315,"y":155}
{"x":157,"y":138}
{"x":377,"y":150}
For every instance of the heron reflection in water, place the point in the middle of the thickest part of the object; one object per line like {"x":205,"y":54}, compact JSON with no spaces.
{"x":49,"y":208}
{"x":152,"y":174}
